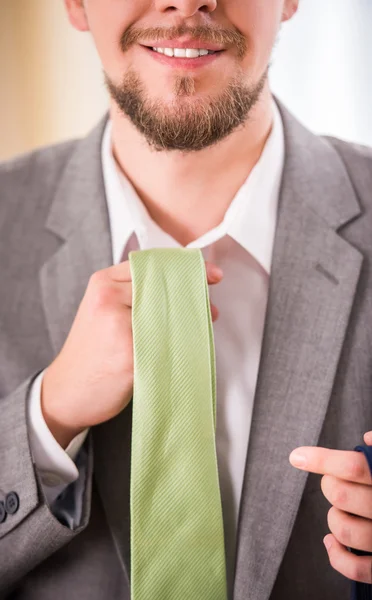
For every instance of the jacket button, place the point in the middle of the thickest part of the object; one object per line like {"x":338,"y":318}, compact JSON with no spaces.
{"x":50,"y":480}
{"x":3,"y":513}
{"x":11,"y":503}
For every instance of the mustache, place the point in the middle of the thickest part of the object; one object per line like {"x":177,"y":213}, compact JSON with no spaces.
{"x":224,"y":37}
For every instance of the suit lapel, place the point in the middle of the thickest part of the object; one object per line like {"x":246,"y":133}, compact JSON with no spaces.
{"x":79,"y":219}
{"x":312,"y":287}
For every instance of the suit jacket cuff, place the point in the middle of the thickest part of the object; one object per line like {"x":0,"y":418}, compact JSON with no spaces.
{"x":55,"y":465}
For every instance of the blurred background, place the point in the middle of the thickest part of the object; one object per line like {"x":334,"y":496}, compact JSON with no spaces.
{"x":52,"y":86}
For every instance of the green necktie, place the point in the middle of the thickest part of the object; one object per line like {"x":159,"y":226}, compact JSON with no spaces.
{"x":177,"y":540}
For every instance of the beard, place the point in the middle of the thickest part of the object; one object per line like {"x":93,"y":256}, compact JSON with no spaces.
{"x":188,"y":124}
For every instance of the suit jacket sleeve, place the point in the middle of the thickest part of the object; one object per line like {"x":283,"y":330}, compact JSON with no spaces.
{"x":32,"y":533}
{"x":56,"y":467}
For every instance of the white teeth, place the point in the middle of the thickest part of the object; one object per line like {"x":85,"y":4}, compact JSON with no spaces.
{"x":191,"y":53}
{"x":183,"y":52}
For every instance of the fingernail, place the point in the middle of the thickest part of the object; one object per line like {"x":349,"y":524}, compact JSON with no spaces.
{"x":217,"y":273}
{"x":368,"y":438}
{"x":328,"y":543}
{"x":297,"y":459}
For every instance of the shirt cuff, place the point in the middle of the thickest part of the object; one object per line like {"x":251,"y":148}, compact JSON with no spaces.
{"x":55,"y":465}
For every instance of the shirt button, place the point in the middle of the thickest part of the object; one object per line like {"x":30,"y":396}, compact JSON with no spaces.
{"x":11,"y":503}
{"x":3,"y":513}
{"x":50,"y":479}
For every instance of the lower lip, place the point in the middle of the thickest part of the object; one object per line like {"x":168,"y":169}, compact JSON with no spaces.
{"x":184,"y":63}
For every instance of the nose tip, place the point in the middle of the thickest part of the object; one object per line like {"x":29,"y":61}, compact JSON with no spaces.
{"x":188,"y":8}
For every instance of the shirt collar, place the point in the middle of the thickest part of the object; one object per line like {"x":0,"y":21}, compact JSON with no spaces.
{"x":250,"y":219}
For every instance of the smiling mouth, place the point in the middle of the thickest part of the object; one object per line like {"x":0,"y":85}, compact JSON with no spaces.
{"x":183,"y":52}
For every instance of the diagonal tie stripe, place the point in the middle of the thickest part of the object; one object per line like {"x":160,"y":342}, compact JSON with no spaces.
{"x":177,"y":540}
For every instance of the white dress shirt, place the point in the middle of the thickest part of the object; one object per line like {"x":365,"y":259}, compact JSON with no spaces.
{"x":242,"y":246}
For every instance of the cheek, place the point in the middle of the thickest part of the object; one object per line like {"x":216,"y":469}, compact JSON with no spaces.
{"x":259,"y":22}
{"x":108,"y":20}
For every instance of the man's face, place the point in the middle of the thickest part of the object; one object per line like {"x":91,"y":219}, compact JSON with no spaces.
{"x":181,"y":103}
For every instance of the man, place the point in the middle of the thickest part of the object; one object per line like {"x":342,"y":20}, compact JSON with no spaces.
{"x":197,"y":153}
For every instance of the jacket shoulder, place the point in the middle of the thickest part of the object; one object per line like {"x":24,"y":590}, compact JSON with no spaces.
{"x":357,"y":160}
{"x":39,"y":167}
{"x":350,"y":150}
{"x":28,"y":183}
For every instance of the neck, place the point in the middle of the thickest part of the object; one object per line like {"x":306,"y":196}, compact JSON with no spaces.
{"x":188,"y":194}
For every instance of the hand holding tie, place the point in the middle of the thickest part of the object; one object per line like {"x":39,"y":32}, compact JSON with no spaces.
{"x":91,"y":379}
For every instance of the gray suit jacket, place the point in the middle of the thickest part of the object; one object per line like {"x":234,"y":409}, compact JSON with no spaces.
{"x":314,"y":387}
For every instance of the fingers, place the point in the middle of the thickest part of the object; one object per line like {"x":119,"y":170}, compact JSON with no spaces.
{"x":347,"y":485}
{"x":344,"y":464}
{"x":350,"y":530}
{"x":214,"y":312}
{"x":214,"y":273}
{"x":124,"y":292}
{"x":122,"y":273}
{"x":356,"y":568}
{"x":126,"y":298}
{"x":351,"y":497}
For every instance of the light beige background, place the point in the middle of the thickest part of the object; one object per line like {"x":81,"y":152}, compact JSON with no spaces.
{"x":51,"y":84}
